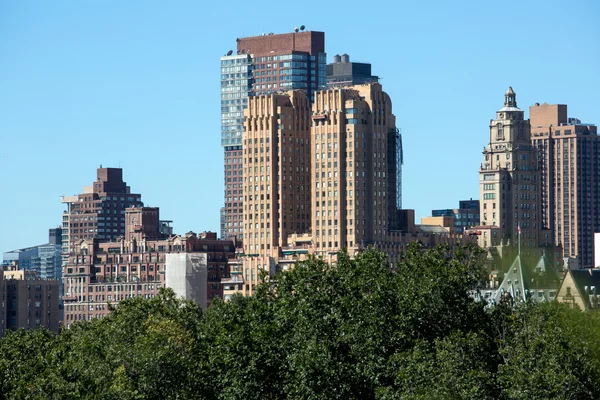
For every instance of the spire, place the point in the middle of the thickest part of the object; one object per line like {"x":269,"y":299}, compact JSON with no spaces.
{"x":510,"y":98}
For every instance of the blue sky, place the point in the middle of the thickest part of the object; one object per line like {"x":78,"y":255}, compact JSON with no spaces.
{"x":136,"y":84}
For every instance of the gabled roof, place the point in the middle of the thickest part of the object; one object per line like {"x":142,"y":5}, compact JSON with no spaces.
{"x":586,"y":278}
{"x":542,"y":264}
{"x":513,"y":283}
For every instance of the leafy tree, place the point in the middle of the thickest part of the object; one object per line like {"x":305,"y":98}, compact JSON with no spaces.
{"x":23,"y":357}
{"x":357,"y":329}
{"x":548,"y":351}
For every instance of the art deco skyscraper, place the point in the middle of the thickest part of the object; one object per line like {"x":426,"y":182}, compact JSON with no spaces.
{"x":261,"y":65}
{"x":569,"y":154}
{"x":324,"y":176}
{"x":276,"y":173}
{"x":354,"y":182}
{"x":276,"y":159}
{"x":510,"y":189}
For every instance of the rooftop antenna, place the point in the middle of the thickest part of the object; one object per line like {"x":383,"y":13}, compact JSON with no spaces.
{"x":230,"y":52}
{"x":302,"y":27}
{"x":296,"y":29}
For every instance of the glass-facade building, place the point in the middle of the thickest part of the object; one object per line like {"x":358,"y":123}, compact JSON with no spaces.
{"x":261,"y":65}
{"x":465,"y":217}
{"x":45,"y":260}
{"x":236,"y":86}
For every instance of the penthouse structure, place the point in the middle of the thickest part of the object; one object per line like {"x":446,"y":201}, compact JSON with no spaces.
{"x":569,"y":157}
{"x":264,"y":64}
{"x":342,"y":72}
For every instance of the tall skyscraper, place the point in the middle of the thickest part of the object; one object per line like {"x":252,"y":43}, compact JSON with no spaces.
{"x":317,"y":179}
{"x":276,"y":167}
{"x":276,"y":171}
{"x":262,"y":64}
{"x":98,"y":212}
{"x":569,"y":156}
{"x":342,"y":72}
{"x":510,"y":185}
{"x":354,"y":183}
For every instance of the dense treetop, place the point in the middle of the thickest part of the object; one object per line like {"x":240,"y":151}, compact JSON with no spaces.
{"x":355,"y":330}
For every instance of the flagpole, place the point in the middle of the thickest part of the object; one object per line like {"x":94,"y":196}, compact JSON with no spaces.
{"x":519,"y":231}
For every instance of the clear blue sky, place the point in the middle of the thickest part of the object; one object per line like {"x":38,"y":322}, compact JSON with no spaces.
{"x":136,"y":84}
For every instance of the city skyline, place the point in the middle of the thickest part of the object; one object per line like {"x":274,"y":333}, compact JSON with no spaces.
{"x":137,"y":88}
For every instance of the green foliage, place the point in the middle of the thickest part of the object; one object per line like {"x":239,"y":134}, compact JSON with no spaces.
{"x":355,"y":330}
{"x":549,"y":352}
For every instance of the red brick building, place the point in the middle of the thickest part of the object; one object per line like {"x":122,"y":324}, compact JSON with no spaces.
{"x":98,"y":273}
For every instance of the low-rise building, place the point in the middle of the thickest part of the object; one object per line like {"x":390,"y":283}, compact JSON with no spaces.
{"x":31,"y":302}
{"x":519,"y":277}
{"x":581,"y":288}
{"x":465,"y":216}
{"x":44,"y":259}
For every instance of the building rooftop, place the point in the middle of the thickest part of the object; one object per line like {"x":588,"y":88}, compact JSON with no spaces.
{"x":507,"y":108}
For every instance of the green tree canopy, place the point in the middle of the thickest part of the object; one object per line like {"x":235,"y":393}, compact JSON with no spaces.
{"x":359,"y":329}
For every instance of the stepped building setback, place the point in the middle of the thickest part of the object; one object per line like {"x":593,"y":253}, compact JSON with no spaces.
{"x":318,"y":179}
{"x":99,"y":211}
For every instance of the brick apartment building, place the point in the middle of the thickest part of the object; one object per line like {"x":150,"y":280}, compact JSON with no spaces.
{"x":28,"y":302}
{"x":569,"y":157}
{"x":137,"y":265}
{"x":99,"y":211}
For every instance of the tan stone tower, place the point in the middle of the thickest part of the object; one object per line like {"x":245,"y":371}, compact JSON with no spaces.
{"x":276,"y":157}
{"x":351,"y":178}
{"x":509,"y":182}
